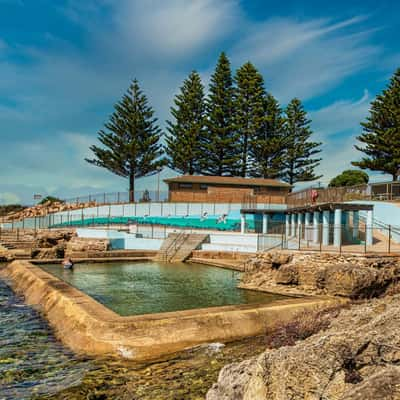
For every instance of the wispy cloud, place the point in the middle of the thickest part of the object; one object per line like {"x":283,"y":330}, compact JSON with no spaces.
{"x":337,"y":126}
{"x":306,"y":58}
{"x":340,"y":116}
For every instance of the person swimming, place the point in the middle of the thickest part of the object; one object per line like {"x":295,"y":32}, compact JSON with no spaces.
{"x":67,"y":263}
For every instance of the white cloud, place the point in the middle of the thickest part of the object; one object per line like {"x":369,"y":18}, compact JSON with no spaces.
{"x":340,"y":116}
{"x":9,"y":198}
{"x":63,"y":95}
{"x":306,"y":58}
{"x":337,"y":126}
{"x":175,"y":27}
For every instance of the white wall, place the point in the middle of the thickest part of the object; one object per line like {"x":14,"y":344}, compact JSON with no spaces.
{"x":121,"y":240}
{"x":157,"y":209}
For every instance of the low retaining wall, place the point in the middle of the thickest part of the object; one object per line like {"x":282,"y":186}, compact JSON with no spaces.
{"x":88,"y":327}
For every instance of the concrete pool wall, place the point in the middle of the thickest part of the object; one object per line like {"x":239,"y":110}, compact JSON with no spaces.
{"x":88,"y":327}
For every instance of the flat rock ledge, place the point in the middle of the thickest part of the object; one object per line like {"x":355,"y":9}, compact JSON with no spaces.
{"x":356,"y":358}
{"x":322,"y":274}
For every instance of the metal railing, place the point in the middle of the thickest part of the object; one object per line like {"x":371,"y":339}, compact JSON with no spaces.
{"x":174,"y":246}
{"x":138,"y":196}
{"x":381,"y":191}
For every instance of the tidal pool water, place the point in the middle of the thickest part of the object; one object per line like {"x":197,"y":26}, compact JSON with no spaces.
{"x":134,"y":288}
{"x":35,"y":366}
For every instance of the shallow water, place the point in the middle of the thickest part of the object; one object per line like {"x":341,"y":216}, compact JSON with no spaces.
{"x":131,"y":288}
{"x":34,"y":365}
{"x":32,"y":361}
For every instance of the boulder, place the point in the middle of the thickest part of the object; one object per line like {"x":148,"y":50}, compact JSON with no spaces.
{"x":357,"y":357}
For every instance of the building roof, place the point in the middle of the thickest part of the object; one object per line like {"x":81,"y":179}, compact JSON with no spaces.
{"x":227,"y":180}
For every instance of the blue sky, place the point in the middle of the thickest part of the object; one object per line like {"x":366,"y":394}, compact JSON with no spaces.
{"x":63,"y":64}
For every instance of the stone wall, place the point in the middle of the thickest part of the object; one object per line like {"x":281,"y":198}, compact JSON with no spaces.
{"x":322,"y":274}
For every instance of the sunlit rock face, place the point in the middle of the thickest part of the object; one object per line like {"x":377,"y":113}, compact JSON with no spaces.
{"x":356,"y":358}
{"x":327,"y":274}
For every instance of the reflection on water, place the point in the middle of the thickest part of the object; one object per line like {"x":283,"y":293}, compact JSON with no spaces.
{"x":148,"y":287}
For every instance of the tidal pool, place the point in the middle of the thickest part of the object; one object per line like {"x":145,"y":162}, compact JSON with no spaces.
{"x":134,"y":288}
{"x":34,"y":365}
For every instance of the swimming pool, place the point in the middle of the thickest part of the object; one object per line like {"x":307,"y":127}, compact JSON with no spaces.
{"x":130,"y":288}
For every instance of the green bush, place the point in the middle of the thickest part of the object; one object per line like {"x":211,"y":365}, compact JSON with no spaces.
{"x":350,"y":177}
{"x":51,"y":199}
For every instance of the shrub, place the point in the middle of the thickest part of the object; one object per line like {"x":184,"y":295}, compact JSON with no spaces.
{"x":303,"y":325}
{"x":51,"y":199}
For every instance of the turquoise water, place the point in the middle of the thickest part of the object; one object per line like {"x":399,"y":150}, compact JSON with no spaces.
{"x":148,"y":287}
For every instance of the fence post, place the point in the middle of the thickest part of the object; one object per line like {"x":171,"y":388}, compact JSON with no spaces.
{"x":390,"y":237}
{"x":299,"y":237}
{"x":365,"y":239}
{"x":320,"y":238}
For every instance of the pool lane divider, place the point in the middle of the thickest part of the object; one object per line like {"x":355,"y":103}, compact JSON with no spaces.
{"x":88,"y":327}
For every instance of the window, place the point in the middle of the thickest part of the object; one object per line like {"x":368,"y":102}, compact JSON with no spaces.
{"x":203,"y":186}
{"x":185,"y":185}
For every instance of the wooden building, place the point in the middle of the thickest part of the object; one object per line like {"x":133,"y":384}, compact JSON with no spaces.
{"x":224,"y":189}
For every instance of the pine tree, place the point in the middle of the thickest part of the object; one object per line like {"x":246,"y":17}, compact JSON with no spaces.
{"x":382,"y":132}
{"x":249,"y":112}
{"x":187,"y":129}
{"x":298,"y":162}
{"x":131,"y":139}
{"x":219,"y":151}
{"x":268,"y":147}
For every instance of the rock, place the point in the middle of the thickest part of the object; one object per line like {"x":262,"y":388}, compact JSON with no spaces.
{"x":331,"y":365}
{"x":45,"y":253}
{"x":84,"y":245}
{"x":287,"y":275}
{"x":322,"y":274}
{"x":48,"y":239}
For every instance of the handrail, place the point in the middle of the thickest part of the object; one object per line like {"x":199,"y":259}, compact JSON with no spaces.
{"x":176,"y":246}
{"x":180,"y":234}
{"x":380,"y":224}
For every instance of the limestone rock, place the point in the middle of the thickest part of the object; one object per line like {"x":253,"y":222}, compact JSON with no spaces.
{"x":357,"y":357}
{"x":84,"y":245}
{"x":322,"y":274}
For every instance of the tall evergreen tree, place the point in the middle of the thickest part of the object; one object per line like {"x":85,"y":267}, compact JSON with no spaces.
{"x":269,"y":145}
{"x":382,"y":132}
{"x":131,"y":146}
{"x":249,"y":112}
{"x":299,"y":163}
{"x":219,"y":151}
{"x":187,"y":129}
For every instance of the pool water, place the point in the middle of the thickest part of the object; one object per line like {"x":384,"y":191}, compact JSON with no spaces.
{"x":130,"y":288}
{"x":35,"y":366}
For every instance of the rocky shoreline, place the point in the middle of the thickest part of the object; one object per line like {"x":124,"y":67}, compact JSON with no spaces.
{"x":356,"y":356}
